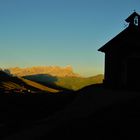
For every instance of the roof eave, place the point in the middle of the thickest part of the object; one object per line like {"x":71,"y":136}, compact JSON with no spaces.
{"x":101,"y":50}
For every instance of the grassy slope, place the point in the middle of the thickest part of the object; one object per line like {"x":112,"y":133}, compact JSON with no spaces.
{"x":8,"y":83}
{"x":76,"y":83}
{"x":71,"y":83}
{"x":39,"y":86}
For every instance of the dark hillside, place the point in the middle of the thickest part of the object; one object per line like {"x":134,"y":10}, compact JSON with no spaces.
{"x":96,"y":113}
{"x":114,"y":114}
{"x":22,"y":111}
{"x":9,"y":83}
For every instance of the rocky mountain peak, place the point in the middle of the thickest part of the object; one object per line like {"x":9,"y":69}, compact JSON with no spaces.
{"x":50,"y":70}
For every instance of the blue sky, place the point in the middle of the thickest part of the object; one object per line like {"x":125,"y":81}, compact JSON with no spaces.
{"x":60,"y":32}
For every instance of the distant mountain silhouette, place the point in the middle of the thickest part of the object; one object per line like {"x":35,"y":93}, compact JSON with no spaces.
{"x":8,"y":82}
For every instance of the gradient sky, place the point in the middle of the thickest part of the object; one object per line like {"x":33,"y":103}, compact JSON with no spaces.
{"x":60,"y":32}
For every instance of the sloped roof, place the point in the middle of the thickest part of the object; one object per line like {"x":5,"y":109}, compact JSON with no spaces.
{"x":127,"y":36}
{"x":131,"y":17}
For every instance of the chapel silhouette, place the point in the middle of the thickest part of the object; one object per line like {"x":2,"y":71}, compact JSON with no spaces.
{"x":122,"y":56}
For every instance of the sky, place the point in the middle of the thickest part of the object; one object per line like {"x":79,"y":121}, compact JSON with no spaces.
{"x":60,"y":32}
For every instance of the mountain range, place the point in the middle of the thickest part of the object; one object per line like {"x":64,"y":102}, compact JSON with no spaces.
{"x":53,"y":77}
{"x":51,"y":70}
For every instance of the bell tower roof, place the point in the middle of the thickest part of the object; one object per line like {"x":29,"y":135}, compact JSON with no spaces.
{"x":133,"y":19}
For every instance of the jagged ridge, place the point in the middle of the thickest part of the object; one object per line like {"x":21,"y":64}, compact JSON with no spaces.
{"x":51,"y":70}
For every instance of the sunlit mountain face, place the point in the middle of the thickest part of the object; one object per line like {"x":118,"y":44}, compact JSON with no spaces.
{"x":51,"y":70}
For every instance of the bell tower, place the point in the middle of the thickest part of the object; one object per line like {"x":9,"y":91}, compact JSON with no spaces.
{"x":133,"y":19}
